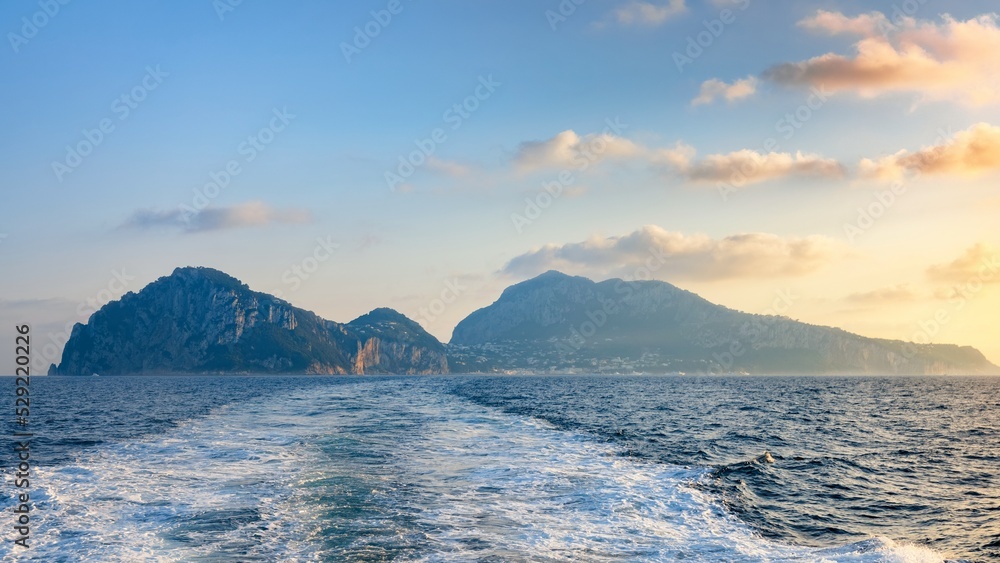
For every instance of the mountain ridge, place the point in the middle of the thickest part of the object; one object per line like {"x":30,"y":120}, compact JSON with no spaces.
{"x":202,"y":320}
{"x":556,"y":322}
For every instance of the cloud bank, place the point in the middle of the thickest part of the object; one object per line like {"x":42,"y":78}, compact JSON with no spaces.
{"x":676,"y":256}
{"x":951,"y":60}
{"x":568,"y":150}
{"x":968,"y":154}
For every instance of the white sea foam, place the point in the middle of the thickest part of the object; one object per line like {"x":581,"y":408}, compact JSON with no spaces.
{"x":380,"y":470}
{"x":490,"y":485}
{"x":212,"y":487}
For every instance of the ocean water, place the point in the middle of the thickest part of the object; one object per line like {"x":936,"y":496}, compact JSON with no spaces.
{"x":511,"y":469}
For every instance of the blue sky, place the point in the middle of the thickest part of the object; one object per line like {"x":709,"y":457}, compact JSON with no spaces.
{"x":212,"y":78}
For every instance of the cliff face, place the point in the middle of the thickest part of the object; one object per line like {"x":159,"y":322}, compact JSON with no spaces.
{"x":389,"y":342}
{"x":199,"y":320}
{"x":556,"y":322}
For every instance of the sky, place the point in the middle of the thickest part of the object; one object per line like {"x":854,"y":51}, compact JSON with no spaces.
{"x":840,"y":157}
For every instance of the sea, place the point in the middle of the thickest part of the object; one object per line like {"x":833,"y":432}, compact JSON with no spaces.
{"x":508,"y":468}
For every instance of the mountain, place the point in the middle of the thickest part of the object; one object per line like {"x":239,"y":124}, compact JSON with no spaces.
{"x":561,"y":323}
{"x":200,"y":320}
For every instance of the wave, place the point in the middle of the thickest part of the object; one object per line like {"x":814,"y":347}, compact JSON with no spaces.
{"x":223,"y":486}
{"x":392,"y":469}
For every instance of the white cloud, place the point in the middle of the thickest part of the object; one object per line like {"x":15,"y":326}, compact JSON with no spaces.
{"x":836,"y":23}
{"x":647,"y":13}
{"x":746,"y":166}
{"x":673,"y":255}
{"x":715,"y":88}
{"x":569,"y":150}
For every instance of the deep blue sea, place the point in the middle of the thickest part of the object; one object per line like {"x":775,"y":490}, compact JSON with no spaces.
{"x":462,"y":468}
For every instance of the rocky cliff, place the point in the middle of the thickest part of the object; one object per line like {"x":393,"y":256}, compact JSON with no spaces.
{"x":389,"y":342}
{"x":556,"y":322}
{"x":199,"y":320}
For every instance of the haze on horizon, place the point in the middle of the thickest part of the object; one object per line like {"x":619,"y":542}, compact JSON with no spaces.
{"x":424,"y":157}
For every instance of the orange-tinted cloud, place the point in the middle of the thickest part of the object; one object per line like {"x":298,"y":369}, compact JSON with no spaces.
{"x":972,"y":152}
{"x":979,"y":262}
{"x":950,"y":60}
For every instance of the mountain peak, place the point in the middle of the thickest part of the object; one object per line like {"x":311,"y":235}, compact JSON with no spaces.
{"x":381,"y":314}
{"x":552,"y":274}
{"x":197,"y":271}
{"x":204,"y":273}
{"x":547,"y":279}
{"x":556,"y":322}
{"x":202,"y":320}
